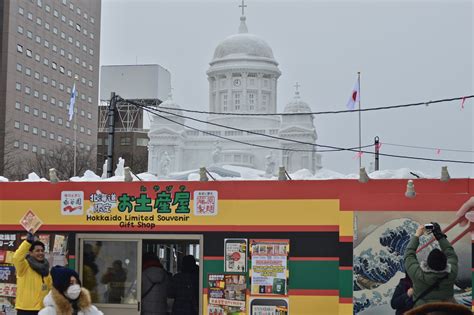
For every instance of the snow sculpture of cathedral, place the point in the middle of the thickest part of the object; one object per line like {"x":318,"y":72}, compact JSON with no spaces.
{"x":243,"y":78}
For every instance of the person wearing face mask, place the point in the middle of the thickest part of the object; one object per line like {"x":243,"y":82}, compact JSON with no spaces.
{"x":33,"y":280}
{"x":67,"y":297}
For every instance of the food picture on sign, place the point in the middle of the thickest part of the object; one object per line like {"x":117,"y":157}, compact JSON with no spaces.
{"x":227,"y":294}
{"x":269,"y":266}
{"x":235,"y":255}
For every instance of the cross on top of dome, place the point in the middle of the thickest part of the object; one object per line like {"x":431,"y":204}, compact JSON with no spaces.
{"x":297,"y":93}
{"x":243,"y":6}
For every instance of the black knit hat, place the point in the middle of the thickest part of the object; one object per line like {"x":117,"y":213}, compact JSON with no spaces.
{"x":61,"y":277}
{"x":437,"y":260}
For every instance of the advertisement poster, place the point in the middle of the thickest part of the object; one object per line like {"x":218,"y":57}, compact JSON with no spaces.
{"x":45,"y":238}
{"x":269,"y":266}
{"x":30,"y":222}
{"x":235,"y":258}
{"x":260,"y":306}
{"x":227,"y":294}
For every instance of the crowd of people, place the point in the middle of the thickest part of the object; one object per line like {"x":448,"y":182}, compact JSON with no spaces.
{"x":42,"y":290}
{"x":428,"y":287}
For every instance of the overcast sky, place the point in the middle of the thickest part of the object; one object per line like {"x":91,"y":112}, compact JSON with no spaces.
{"x":406,"y":51}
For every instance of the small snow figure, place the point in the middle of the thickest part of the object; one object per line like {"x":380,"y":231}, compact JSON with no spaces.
{"x":165,"y":164}
{"x":216,"y":154}
{"x":269,"y":165}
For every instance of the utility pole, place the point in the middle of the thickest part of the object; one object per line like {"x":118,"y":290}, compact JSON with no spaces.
{"x":377,"y":149}
{"x":110,"y":146}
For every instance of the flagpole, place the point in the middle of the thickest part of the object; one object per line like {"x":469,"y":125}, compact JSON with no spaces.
{"x":360,"y":125}
{"x":75,"y":143}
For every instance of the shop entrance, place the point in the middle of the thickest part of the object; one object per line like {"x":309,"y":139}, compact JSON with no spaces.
{"x":110,"y":265}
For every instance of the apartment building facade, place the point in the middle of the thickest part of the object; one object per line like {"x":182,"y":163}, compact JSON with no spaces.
{"x":47,"y":47}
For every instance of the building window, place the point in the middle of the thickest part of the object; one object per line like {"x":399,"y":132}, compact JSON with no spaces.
{"x":19,"y":67}
{"x":28,"y":71}
{"x":36,"y":94}
{"x":44,"y":115}
{"x":35,"y":112}
{"x":38,"y":21}
{"x":56,"y":13}
{"x":237,"y":101}
{"x":17,"y":105}
{"x":251,"y":99}
{"x":17,"y":125}
{"x":30,"y":16}
{"x":21,"y":11}
{"x":34,"y":148}
{"x":45,"y":79}
{"x":60,"y":138}
{"x":25,"y":146}
{"x":67,"y":141}
{"x":46,"y":43}
{"x":20,"y":29}
{"x":89,"y":132}
{"x":60,"y":121}
{"x":37,"y":75}
{"x":45,"y":97}
{"x":43,"y":151}
{"x":16,"y":144}
{"x":53,"y":101}
{"x":46,"y":26}
{"x":81,"y":145}
{"x":51,"y":135}
{"x":27,"y":90}
{"x":26,"y":108}
{"x":37,"y":57}
{"x":47,"y":8}
{"x":82,"y":129}
{"x":142,"y":142}
{"x":60,"y":103}
{"x":68,"y":124}
{"x":29,"y":34}
{"x":26,"y":128}
{"x":89,"y":100}
{"x":34,"y":130}
{"x":54,"y":65}
{"x":19,"y":48}
{"x":125,"y":141}
{"x":52,"y":118}
{"x":53,"y":83}
{"x":18,"y":86}
{"x":78,"y":27}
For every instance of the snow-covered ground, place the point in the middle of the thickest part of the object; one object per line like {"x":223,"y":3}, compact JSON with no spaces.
{"x":245,"y":174}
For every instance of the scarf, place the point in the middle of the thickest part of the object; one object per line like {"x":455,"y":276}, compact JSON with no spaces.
{"x":41,"y":267}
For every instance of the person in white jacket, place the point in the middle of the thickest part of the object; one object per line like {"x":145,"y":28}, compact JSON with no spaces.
{"x":67,"y":297}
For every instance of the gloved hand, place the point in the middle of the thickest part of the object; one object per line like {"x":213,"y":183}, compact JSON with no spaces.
{"x":30,"y":237}
{"x":438,"y":234}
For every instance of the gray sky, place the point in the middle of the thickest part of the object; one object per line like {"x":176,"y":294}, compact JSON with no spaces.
{"x":406,"y":51}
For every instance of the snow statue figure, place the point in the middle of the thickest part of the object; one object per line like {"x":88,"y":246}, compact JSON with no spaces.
{"x":269,"y":165}
{"x":216,"y":154}
{"x":165,"y":164}
{"x":120,"y":166}
{"x":104,"y":170}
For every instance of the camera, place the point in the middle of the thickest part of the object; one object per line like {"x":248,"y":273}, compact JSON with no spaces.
{"x":429,"y":226}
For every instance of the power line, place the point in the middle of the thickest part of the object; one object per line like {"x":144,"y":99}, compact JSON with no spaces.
{"x":427,"y":148}
{"x":427,"y":103}
{"x":243,"y":142}
{"x":248,"y":131}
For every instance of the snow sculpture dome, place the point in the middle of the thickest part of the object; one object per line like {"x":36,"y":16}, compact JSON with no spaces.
{"x":170,"y":103}
{"x":297,"y":106}
{"x":242,"y":45}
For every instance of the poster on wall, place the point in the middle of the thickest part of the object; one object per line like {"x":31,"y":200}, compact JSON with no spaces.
{"x":30,"y":222}
{"x":227,"y":294}
{"x":268,"y":306}
{"x":235,"y":258}
{"x":269,"y":266}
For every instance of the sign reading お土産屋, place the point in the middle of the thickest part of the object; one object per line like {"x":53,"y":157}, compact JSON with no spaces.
{"x":147,"y":208}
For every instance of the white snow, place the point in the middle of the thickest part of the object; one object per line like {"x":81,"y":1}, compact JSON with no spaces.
{"x":33,"y":177}
{"x":245,"y":174}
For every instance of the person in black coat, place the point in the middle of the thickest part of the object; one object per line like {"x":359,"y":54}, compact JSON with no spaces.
{"x":184,"y":288}
{"x":402,"y":299}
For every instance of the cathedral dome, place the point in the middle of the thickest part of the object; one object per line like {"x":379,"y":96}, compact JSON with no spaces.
{"x":297,"y":106}
{"x":241,"y":45}
{"x":169,"y":103}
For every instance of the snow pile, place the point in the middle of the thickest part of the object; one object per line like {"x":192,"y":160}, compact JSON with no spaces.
{"x":400,"y":173}
{"x":89,"y":176}
{"x":3,"y":179}
{"x":33,"y":177}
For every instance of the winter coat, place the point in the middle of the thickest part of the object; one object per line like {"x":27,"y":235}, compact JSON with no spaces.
{"x":31,"y":286}
{"x":184,"y":288}
{"x":440,"y":308}
{"x":423,"y":276}
{"x":401,"y":302}
{"x":57,"y":304}
{"x":155,"y":302}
